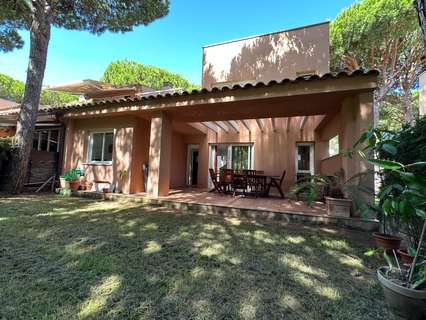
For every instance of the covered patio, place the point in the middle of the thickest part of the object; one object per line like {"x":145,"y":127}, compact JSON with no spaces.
{"x":265,"y":127}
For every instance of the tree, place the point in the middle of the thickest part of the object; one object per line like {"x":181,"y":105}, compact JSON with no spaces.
{"x":38,"y":16}
{"x":127,"y":72}
{"x":380,"y":34}
{"x":12,"y":89}
{"x":421,"y":14}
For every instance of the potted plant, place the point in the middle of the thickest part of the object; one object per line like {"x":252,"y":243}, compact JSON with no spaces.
{"x":309,"y":188}
{"x":404,"y":201}
{"x":405,"y":285}
{"x":336,"y":203}
{"x":71,"y":179}
{"x":374,"y":146}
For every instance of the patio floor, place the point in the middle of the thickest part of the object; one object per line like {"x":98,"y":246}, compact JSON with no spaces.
{"x":273,"y":208}
{"x":273,"y":203}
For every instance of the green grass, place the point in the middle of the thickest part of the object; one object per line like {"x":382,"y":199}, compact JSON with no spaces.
{"x":81,"y":259}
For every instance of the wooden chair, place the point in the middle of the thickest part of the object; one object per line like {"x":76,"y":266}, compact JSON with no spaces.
{"x":226,"y":178}
{"x":216,"y":184}
{"x":275,"y":183}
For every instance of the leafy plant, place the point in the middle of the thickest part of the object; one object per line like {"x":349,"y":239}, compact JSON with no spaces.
{"x":72,"y":174}
{"x":404,"y":199}
{"x":309,"y":187}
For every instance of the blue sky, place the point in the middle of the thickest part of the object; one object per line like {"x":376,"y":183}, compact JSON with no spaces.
{"x":173,"y":42}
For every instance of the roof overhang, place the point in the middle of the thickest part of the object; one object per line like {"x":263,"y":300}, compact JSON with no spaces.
{"x":303,"y":96}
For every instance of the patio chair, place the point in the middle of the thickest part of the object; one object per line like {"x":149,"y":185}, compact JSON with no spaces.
{"x":216,"y":184}
{"x":275,"y":183}
{"x":226,"y":178}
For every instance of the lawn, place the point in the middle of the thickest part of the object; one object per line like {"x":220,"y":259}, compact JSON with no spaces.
{"x":70,"y":258}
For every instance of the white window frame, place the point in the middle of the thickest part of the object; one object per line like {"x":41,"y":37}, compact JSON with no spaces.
{"x":49,"y":135}
{"x":90,"y":146}
{"x":212,"y":155}
{"x":311,"y":156}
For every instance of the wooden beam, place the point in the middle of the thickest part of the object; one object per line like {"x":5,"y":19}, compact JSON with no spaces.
{"x":198,"y":126}
{"x":273,"y":124}
{"x":246,"y":123}
{"x":234,"y":125}
{"x":259,"y":124}
{"x":210,"y":125}
{"x":222,"y":125}
{"x":287,"y":125}
{"x":303,"y":122}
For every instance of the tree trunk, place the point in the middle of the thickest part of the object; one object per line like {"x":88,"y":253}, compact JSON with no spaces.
{"x":376,"y":109}
{"x":408,"y":108}
{"x":39,"y":37}
{"x":421,"y":12}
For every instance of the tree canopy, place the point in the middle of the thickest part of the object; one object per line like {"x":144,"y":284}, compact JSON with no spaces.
{"x":127,"y":72}
{"x":38,"y":16}
{"x":93,"y":16}
{"x":384,"y":35}
{"x":12,"y":89}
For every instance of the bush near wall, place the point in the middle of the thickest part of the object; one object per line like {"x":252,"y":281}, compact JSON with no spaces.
{"x":6,"y":145}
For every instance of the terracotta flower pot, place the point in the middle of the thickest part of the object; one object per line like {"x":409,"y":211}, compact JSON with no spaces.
{"x":387,"y":241}
{"x":74,"y":184}
{"x":405,"y":257}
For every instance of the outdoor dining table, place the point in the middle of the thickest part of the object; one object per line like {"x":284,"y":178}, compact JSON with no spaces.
{"x":274,"y":181}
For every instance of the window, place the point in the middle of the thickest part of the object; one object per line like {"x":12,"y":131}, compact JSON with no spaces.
{"x":101,"y":146}
{"x":46,"y":140}
{"x":231,"y":156}
{"x":333,"y":146}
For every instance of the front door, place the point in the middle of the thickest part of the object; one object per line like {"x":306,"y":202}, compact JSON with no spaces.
{"x":192,"y":165}
{"x":304,"y":159}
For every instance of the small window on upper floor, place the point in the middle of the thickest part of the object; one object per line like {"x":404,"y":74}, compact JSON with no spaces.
{"x":100,"y":147}
{"x":333,"y":146}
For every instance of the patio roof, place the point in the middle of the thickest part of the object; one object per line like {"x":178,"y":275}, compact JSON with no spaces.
{"x":149,"y":96}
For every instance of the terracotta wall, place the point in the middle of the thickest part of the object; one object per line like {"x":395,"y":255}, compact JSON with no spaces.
{"x":7,"y":132}
{"x":279,"y":55}
{"x":274,"y":151}
{"x":76,"y":149}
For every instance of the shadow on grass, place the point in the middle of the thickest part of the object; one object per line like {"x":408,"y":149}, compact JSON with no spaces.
{"x":76,"y":258}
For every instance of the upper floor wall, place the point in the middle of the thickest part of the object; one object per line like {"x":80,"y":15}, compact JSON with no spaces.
{"x":279,"y":55}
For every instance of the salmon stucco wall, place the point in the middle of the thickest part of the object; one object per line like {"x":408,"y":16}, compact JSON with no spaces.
{"x":7,"y":132}
{"x":273,"y":150}
{"x":279,"y":55}
{"x":76,"y":149}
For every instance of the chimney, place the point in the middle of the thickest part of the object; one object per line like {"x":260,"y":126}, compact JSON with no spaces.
{"x":422,"y":94}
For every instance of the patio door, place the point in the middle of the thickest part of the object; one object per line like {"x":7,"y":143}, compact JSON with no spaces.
{"x":192,"y":165}
{"x":231,"y":156}
{"x":304,"y":159}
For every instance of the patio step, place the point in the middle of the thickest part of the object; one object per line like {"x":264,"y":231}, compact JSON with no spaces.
{"x":224,"y":210}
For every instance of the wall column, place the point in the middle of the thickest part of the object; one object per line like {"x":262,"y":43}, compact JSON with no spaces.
{"x":68,"y":145}
{"x":159,"y":155}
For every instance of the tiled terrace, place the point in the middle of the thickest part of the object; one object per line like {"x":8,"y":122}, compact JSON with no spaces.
{"x":200,"y":200}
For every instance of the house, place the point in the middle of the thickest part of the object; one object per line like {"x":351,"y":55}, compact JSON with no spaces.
{"x":268,"y":103}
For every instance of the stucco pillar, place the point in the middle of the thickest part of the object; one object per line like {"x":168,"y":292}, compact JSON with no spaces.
{"x":159,"y":155}
{"x":68,"y":145}
{"x":357,"y":116}
{"x":422,"y":94}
